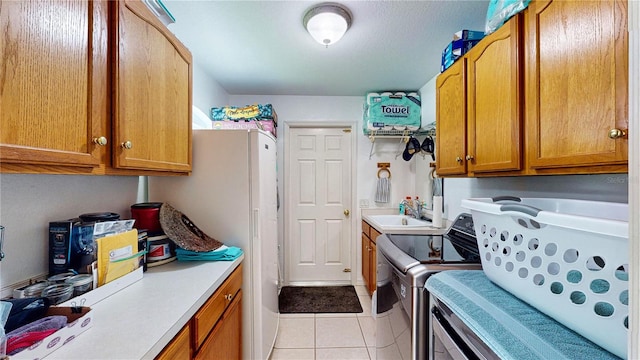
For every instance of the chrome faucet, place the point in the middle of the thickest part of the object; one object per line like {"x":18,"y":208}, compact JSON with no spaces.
{"x":417,"y":212}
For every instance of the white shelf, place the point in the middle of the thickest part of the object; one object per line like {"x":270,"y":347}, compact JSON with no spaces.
{"x":403,"y":135}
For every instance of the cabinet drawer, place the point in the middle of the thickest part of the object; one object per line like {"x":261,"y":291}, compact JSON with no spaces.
{"x":209,"y":314}
{"x":179,"y":348}
{"x":366,"y":228}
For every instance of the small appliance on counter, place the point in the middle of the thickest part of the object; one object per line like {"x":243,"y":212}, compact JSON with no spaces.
{"x":147,"y":217}
{"x":160,"y":249}
{"x":71,"y":244}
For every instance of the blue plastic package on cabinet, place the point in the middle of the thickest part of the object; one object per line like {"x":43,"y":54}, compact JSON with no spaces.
{"x":500,"y":11}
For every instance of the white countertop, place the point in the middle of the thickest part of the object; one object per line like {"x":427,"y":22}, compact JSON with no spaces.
{"x":140,"y":320}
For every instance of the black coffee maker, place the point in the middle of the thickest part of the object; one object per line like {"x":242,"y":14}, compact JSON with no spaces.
{"x":71,"y":243}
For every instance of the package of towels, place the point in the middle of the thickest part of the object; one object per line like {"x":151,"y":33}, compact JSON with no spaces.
{"x":392,"y":111}
{"x":223,"y":253}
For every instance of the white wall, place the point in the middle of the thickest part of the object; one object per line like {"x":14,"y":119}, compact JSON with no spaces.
{"x":207,"y":93}
{"x":423,"y":180}
{"x":29,"y":202}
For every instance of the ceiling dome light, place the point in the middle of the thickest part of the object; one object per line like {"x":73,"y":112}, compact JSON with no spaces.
{"x":327,"y":22}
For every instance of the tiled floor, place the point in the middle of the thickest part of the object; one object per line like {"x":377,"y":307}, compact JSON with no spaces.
{"x":327,"y":336}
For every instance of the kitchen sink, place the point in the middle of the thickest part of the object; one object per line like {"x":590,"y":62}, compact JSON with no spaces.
{"x":401,"y":224}
{"x":397,"y":221}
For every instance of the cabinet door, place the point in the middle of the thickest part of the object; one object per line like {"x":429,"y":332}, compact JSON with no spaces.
{"x":225,"y":341}
{"x":53,"y":82}
{"x":366,"y":261}
{"x":152,"y":93}
{"x":373,"y":269}
{"x":494,"y":101}
{"x":210,"y":313}
{"x":179,"y":348}
{"x":451,"y":113}
{"x":373,"y":236}
{"x":577,"y":74}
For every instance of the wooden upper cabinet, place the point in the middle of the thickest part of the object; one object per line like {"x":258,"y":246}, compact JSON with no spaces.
{"x":576,"y":83}
{"x":152,"y":93}
{"x":451,"y":113}
{"x":494,"y":101}
{"x":53,"y":83}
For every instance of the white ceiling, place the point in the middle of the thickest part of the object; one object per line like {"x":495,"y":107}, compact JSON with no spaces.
{"x":262,"y":48}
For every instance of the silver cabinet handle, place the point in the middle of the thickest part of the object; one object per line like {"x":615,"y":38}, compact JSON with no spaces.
{"x":1,"y":242}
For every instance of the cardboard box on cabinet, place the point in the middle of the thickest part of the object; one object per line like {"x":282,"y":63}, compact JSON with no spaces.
{"x":455,"y":50}
{"x":468,"y":35}
{"x":80,"y":319}
{"x":266,"y":125}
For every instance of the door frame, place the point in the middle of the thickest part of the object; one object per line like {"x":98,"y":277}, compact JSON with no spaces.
{"x":287,"y":195}
{"x":634,"y":176}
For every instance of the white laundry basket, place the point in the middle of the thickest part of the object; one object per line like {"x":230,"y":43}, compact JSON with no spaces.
{"x":567,"y":258}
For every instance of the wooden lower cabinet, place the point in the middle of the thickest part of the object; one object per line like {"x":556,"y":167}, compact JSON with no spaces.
{"x":366,"y":262}
{"x":369,"y":259}
{"x":215,"y":331}
{"x":179,"y":348}
{"x":224,"y":342}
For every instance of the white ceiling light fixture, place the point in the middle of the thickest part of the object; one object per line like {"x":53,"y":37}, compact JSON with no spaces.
{"x":327,"y":22}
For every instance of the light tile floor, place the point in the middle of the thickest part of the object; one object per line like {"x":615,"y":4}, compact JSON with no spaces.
{"x":327,"y":336}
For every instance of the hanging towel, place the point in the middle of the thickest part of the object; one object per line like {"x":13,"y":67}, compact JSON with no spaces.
{"x":383,"y":190}
{"x":224,"y":253}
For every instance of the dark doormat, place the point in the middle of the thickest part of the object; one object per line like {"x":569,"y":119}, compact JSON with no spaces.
{"x":319,"y":299}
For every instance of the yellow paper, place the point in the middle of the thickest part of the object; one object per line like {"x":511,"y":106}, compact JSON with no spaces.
{"x":112,"y":248}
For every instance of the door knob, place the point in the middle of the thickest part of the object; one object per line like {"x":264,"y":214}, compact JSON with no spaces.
{"x":126,"y":145}
{"x":346,"y":212}
{"x":617,"y":133}
{"x":458,"y":159}
{"x":469,"y":157}
{"x":102,"y":141}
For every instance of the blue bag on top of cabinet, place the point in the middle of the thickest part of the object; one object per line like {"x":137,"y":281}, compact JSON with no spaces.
{"x":392,"y":111}
{"x":500,"y":11}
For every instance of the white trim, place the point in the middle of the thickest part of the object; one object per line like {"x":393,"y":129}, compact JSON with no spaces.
{"x":355,"y":266}
{"x":634,"y":178}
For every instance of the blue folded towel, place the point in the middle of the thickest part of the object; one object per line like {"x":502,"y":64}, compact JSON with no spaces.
{"x":510,"y":327}
{"x":224,"y":253}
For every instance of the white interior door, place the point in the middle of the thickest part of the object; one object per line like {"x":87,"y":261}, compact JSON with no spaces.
{"x":319,"y":199}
